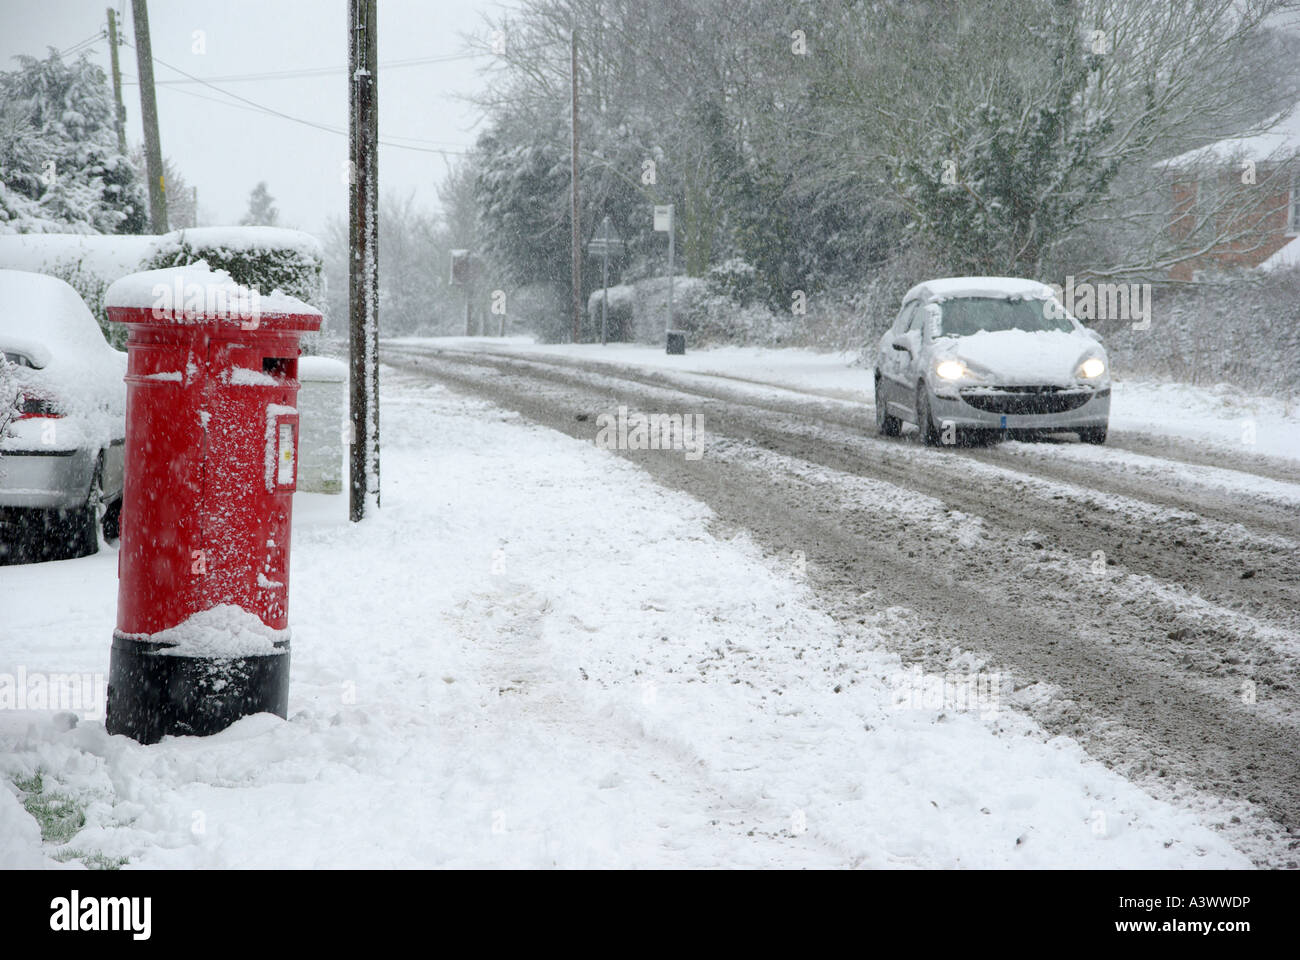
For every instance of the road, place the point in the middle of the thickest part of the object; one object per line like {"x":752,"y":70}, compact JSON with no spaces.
{"x":1142,"y":598}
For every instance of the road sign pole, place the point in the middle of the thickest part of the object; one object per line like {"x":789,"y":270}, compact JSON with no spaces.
{"x":666,"y":220}
{"x":604,"y":301}
{"x":672,"y":231}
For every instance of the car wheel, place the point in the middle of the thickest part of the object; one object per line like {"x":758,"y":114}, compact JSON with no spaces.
{"x":88,"y":518}
{"x":887,"y":425}
{"x":112,"y":522}
{"x":1093,"y":435}
{"x":925,"y":422}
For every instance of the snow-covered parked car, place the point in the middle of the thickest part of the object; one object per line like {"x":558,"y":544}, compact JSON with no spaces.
{"x":61,"y":450}
{"x":972,"y":357}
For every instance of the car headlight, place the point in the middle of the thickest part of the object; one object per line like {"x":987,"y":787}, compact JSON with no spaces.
{"x":950,"y":369}
{"x":1092,"y":368}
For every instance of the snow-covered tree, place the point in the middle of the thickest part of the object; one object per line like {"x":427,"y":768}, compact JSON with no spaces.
{"x":181,"y":211}
{"x":816,"y":140}
{"x":414,"y":295}
{"x":60,"y":168}
{"x":1014,"y":130}
{"x":262,"y":211}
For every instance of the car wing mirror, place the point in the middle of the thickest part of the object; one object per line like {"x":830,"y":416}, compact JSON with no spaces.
{"x":933,"y":316}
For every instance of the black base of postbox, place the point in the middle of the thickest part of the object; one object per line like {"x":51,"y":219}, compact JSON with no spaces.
{"x":152,"y":695}
{"x":676,"y":342}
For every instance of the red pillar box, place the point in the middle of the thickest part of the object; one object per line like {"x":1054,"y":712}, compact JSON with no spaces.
{"x":202,"y":634}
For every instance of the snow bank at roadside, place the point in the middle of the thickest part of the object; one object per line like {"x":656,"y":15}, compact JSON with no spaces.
{"x":1220,"y":415}
{"x":533,"y":656}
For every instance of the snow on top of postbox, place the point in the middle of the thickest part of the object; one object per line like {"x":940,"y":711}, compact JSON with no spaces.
{"x":196,"y":292}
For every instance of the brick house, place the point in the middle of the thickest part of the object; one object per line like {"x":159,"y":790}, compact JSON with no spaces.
{"x":1245,"y":191}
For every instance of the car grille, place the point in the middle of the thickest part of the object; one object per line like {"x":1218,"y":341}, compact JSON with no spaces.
{"x":1029,"y":400}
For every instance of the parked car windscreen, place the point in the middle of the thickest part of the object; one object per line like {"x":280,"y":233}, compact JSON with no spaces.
{"x":963,"y":316}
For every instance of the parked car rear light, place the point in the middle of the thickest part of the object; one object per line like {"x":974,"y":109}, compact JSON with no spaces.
{"x":35,"y":406}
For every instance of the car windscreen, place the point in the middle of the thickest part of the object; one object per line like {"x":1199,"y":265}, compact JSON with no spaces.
{"x":963,"y":316}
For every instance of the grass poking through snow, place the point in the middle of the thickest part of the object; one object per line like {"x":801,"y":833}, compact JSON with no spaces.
{"x":61,"y":818}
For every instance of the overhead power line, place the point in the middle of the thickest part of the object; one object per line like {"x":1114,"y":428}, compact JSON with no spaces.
{"x":83,"y":45}
{"x":247,"y":104}
{"x":305,"y":72}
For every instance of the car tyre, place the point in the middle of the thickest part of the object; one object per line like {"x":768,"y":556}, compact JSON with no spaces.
{"x":924,"y":421}
{"x":112,"y":522}
{"x":887,"y":425}
{"x":1095,"y":435}
{"x":88,"y":518}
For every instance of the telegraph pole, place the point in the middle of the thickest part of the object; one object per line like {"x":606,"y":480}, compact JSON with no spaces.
{"x":577,"y":236}
{"x":363,"y":235}
{"x":149,"y":117}
{"x":119,"y":111}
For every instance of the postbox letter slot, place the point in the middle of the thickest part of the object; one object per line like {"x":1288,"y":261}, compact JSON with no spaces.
{"x":284,"y":367}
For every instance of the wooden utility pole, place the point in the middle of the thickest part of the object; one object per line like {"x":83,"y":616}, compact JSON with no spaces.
{"x":363,"y":236}
{"x":149,"y":117}
{"x":577,"y":235}
{"x":119,"y":111}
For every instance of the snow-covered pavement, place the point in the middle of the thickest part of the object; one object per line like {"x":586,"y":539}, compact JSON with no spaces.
{"x":532,"y":656}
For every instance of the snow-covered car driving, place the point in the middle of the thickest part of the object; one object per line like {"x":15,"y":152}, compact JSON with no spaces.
{"x":971,"y":357}
{"x":63,"y":423}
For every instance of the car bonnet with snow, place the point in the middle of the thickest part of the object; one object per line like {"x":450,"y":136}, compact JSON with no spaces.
{"x":65,"y":369}
{"x":1005,"y":332}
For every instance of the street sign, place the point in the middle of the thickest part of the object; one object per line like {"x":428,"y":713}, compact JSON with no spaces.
{"x":606,"y":241}
{"x":606,"y":232}
{"x":664,"y":219}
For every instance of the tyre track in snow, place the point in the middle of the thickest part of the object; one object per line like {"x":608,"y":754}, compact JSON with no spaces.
{"x":994,"y":557}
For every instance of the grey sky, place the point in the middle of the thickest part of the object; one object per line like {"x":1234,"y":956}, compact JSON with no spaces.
{"x":224,"y":149}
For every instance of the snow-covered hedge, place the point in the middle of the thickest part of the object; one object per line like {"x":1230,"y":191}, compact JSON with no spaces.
{"x":738,"y":281}
{"x":639,"y":312}
{"x":622,"y":311}
{"x":89,"y":263}
{"x":730,"y":305}
{"x":267,"y":258}
{"x":1244,"y":330}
